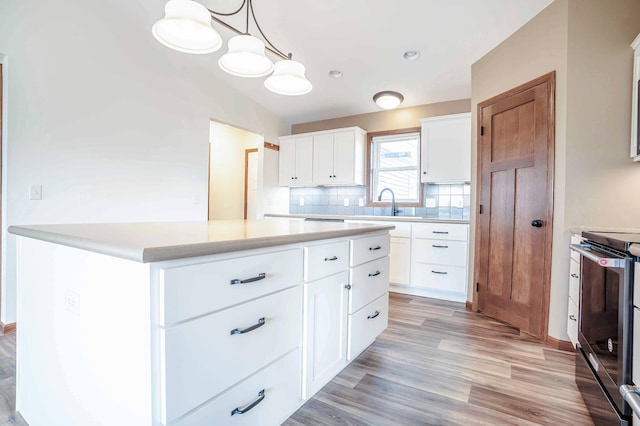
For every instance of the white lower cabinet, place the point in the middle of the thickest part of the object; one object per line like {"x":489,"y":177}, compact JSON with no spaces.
{"x":574,"y":293}
{"x":400,"y":261}
{"x":366,"y":324}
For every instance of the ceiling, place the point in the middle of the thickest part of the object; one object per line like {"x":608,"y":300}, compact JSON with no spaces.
{"x":365,"y":39}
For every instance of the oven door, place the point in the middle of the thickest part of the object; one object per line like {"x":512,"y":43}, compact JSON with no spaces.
{"x":604,"y":328}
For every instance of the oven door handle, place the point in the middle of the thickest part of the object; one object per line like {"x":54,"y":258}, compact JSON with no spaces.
{"x":630,"y":394}
{"x":587,"y":251}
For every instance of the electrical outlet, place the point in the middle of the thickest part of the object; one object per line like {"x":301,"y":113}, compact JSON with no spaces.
{"x":301,"y":202}
{"x":360,"y":202}
{"x":431,"y":202}
{"x":72,"y":302}
{"x":35,"y":192}
{"x":346,"y":202}
{"x":457,"y":201}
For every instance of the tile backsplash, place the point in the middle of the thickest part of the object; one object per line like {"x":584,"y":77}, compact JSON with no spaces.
{"x":441,"y":202}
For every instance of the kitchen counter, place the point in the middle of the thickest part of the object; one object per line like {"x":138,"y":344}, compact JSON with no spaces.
{"x":153,"y":242}
{"x":373,"y":218}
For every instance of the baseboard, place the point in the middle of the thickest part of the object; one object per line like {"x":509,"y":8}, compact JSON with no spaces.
{"x":7,"y":328}
{"x":425,"y":292}
{"x":562,"y":345}
{"x":469,"y":306}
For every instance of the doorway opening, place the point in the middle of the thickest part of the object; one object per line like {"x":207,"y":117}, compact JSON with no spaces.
{"x":234,"y":173}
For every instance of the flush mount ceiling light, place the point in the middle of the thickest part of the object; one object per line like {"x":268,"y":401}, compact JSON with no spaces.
{"x":388,"y":99}
{"x":187,"y":28}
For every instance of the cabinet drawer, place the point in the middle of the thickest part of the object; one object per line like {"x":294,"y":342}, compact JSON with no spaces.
{"x":439,"y":277}
{"x":281,"y":384}
{"x":368,"y":282}
{"x":194,"y":290}
{"x":441,"y":252}
{"x":325,"y":259}
{"x":441,"y":231}
{"x":574,"y":280}
{"x":635,"y":367}
{"x":201,"y":358}
{"x":367,"y":249}
{"x":366,"y":324}
{"x":572,"y":322}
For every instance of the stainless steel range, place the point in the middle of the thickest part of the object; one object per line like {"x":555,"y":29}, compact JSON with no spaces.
{"x":605,"y":328}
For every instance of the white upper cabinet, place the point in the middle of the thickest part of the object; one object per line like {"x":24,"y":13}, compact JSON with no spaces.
{"x":446,"y":149}
{"x":338,"y":157}
{"x":296,"y":161}
{"x":329,"y":157}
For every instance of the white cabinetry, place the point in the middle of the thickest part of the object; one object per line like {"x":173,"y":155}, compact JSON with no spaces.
{"x":446,"y":148}
{"x":574,"y":293}
{"x":338,"y":157}
{"x":635,"y":105}
{"x":296,"y":161}
{"x":439,"y":260}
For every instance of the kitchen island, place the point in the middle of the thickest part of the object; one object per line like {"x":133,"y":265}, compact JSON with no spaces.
{"x":222,"y":322}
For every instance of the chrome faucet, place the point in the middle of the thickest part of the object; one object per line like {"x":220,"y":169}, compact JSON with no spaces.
{"x":393,"y":200}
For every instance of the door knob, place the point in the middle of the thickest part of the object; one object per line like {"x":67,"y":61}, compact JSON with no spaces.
{"x":537,"y":223}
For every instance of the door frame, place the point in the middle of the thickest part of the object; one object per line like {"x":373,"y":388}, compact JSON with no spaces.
{"x":246,"y":177}
{"x":550,"y":80}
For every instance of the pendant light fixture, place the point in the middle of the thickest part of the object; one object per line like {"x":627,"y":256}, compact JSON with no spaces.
{"x":187,"y":28}
{"x":388,"y":99}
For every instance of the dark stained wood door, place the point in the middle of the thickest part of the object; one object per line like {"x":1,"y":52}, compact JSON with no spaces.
{"x":515,"y":163}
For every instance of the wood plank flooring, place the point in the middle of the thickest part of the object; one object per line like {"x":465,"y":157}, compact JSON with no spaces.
{"x":439,"y":364}
{"x":436,"y":364}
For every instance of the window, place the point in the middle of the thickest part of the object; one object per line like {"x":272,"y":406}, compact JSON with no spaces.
{"x":395,"y":164}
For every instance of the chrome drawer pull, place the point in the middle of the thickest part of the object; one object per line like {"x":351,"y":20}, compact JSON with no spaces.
{"x":437,"y":246}
{"x":375,"y":274}
{"x":374,"y":315}
{"x":438,"y":272}
{"x":260,"y":323}
{"x":328,"y":259}
{"x":375,"y":248}
{"x":260,"y":276}
{"x":239,"y":410}
{"x":572,"y":317}
{"x":575,"y":275}
{"x":440,"y":232}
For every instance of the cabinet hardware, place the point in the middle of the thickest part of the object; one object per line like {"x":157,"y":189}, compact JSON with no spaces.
{"x":572,"y":317}
{"x":440,"y":232}
{"x":477,"y":287}
{"x":239,"y":410}
{"x":375,"y":274}
{"x":375,"y":314}
{"x":437,"y":246}
{"x":347,"y":286}
{"x":261,"y":276}
{"x":439,"y":272}
{"x":536,"y":223}
{"x":481,"y":130}
{"x":375,"y":248}
{"x":481,"y":208}
{"x":575,"y":275}
{"x":328,"y":259}
{"x":260,"y":323}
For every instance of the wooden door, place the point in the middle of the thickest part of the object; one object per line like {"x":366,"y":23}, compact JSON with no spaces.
{"x":513,"y":244}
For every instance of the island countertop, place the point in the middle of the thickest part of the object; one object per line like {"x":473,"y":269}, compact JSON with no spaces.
{"x":154,"y":242}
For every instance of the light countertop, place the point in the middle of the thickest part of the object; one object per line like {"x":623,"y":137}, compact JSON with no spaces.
{"x":153,"y":242}
{"x":372,"y":218}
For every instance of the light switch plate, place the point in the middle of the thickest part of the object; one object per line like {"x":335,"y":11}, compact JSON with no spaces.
{"x":35,"y":192}
{"x":360,"y":202}
{"x":301,"y":201}
{"x":431,"y":202}
{"x":346,"y":202}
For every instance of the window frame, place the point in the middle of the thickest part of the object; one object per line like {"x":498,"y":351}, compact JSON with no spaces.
{"x":372,"y":200}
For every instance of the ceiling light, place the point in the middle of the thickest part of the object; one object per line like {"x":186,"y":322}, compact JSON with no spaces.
{"x":246,"y":57}
{"x":411,"y":55}
{"x":335,"y":74}
{"x":288,"y":79}
{"x":187,"y":28}
{"x":388,"y":99}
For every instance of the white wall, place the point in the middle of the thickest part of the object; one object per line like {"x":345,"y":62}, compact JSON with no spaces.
{"x":113,"y":125}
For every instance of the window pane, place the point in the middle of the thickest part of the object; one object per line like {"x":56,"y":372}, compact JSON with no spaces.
{"x":398,"y":154}
{"x":404,"y":183}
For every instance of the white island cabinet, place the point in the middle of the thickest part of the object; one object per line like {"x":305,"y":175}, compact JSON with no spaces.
{"x":180,"y":323}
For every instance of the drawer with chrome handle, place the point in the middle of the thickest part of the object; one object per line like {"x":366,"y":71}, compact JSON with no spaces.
{"x":574,"y":280}
{"x":202,"y":357}
{"x":366,"y":324}
{"x":366,"y":249}
{"x":452,"y":253}
{"x":441,"y":231}
{"x":368,"y":282}
{"x":325,"y":259}
{"x":256,"y":400}
{"x":439,"y":277}
{"x":195,"y":290}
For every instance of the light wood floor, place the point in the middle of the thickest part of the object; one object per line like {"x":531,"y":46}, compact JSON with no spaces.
{"x":436,"y":364}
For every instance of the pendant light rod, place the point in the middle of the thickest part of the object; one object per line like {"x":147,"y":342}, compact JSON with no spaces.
{"x":271,"y":48}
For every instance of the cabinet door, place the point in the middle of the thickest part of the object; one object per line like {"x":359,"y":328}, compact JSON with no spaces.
{"x":446,"y":149}
{"x":400,"y":261}
{"x":287,"y":162}
{"x":304,"y":161}
{"x":344,"y":158}
{"x":325,"y":331}
{"x":323,"y":159}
